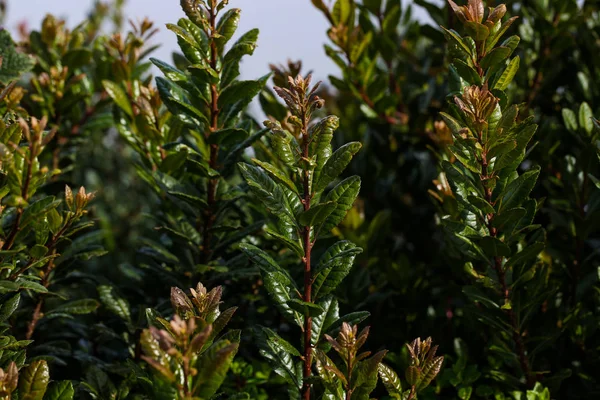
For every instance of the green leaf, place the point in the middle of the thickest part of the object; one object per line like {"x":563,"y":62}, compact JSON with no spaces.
{"x":269,"y":193}
{"x":77,"y":58}
{"x":36,"y":209}
{"x":481,"y":204}
{"x":8,"y":307}
{"x":518,"y":190}
{"x":336,"y":164}
{"x":114,"y":303}
{"x":528,"y":253}
{"x":31,"y":285}
{"x":475,"y":294}
{"x":243,"y":91}
{"x":465,"y":155}
{"x":390,"y":380}
{"x":285,"y":147}
{"x":221,"y":321}
{"x":38,"y":251}
{"x":467,"y":72}
{"x":353,"y":318}
{"x":495,"y":57}
{"x":277,"y":175}
{"x":62,"y":390}
{"x":33,"y":381}
{"x":366,"y":376}
{"x":305,"y":308}
{"x":331,"y":314}
{"x":227,"y":26}
{"x":280,"y":353}
{"x":294,"y":245}
{"x":245,"y":45}
{"x":508,"y":218}
{"x":212,"y":368}
{"x":320,"y":135}
{"x":277,"y":283}
{"x":172,"y":73}
{"x":494,"y":247}
{"x":333,"y":267}
{"x":570,"y":119}
{"x":344,"y":195}
{"x":227,"y":137}
{"x":14,"y":64}
{"x":477,"y":31}
{"x":317,"y":214}
{"x":507,"y":76}
{"x":586,"y":118}
{"x":83,"y":306}
{"x":118,"y":95}
{"x":493,"y":39}
{"x":453,"y":37}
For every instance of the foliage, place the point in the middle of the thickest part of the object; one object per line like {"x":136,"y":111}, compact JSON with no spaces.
{"x":469,"y":215}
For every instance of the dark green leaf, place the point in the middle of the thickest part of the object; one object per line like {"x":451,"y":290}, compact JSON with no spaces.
{"x":317,"y":214}
{"x":336,"y":164}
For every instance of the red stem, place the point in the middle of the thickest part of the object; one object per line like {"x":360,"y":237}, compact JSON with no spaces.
{"x":307,"y":274}
{"x":209,"y":219}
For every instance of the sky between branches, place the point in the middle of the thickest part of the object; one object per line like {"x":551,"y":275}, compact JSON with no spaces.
{"x":288,"y":28}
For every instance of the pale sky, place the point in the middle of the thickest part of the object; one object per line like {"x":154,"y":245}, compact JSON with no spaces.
{"x":288,"y":28}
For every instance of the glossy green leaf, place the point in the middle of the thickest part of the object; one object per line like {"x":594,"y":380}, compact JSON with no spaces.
{"x":62,"y":390}
{"x":33,"y":381}
{"x":280,"y":353}
{"x":336,"y":164}
{"x":278,"y":284}
{"x":586,"y":118}
{"x":467,"y":72}
{"x":14,"y":63}
{"x":331,"y":314}
{"x":227,"y":26}
{"x":353,"y":318}
{"x":116,"y":304}
{"x":83,"y":306}
{"x":508,"y":75}
{"x":344,"y":194}
{"x":333,"y":267}
{"x":481,"y":204}
{"x":518,"y":190}
{"x":305,"y":308}
{"x":268,"y":192}
{"x":495,"y":57}
{"x":212,"y":368}
{"x":8,"y":306}
{"x":169,"y":71}
{"x":454,"y":38}
{"x":569,"y":119}
{"x":119,"y":96}
{"x":277,"y":175}
{"x":317,"y":214}
{"x":390,"y":380}
{"x":294,"y":245}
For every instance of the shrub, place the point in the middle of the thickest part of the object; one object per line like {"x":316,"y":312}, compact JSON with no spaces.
{"x":443,"y":185}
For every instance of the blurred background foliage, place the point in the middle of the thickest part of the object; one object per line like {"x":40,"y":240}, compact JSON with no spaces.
{"x":393,"y":81}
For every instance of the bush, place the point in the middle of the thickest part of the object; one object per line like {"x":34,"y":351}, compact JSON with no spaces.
{"x":444,"y":185}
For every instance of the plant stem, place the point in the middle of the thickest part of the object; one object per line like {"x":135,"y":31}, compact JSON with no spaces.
{"x":412,"y":393}
{"x":209,"y":218}
{"x":37,"y":313}
{"x":516,"y":333}
{"x":307,"y":272}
